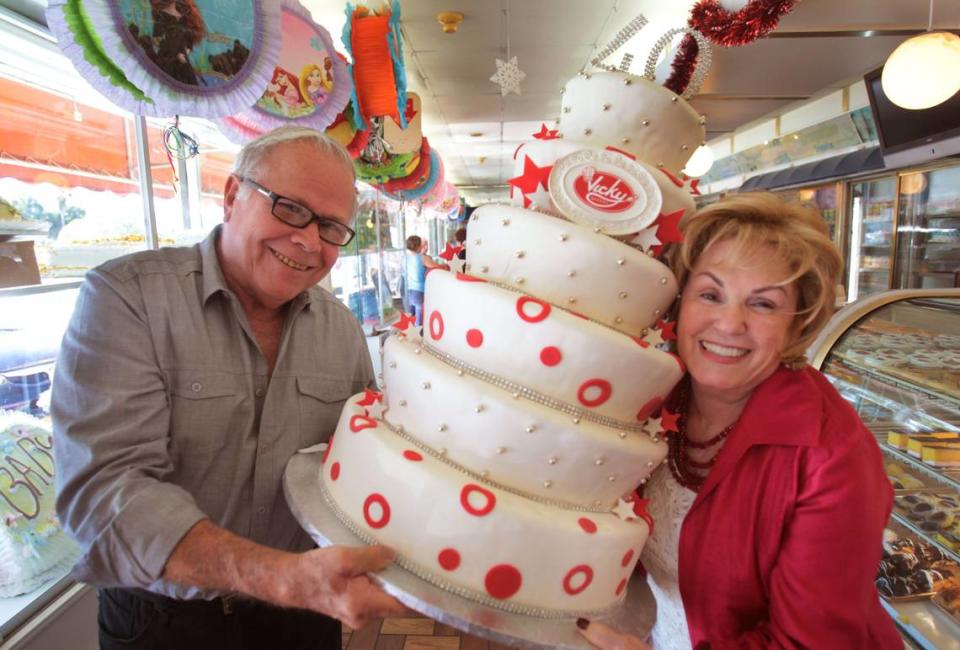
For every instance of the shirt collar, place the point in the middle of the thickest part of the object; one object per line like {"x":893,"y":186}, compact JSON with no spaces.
{"x":214,"y":282}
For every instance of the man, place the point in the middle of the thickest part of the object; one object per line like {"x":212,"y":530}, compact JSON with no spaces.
{"x":186,"y":380}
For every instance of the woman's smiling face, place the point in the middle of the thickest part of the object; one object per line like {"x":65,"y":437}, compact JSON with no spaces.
{"x":736,"y":318}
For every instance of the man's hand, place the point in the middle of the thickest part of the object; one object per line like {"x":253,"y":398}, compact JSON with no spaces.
{"x":333,"y":581}
{"x":606,"y":638}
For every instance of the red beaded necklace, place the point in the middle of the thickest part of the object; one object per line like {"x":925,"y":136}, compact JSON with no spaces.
{"x":678,"y":458}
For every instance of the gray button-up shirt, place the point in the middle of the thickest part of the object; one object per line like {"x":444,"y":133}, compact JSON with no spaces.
{"x":164,"y":412}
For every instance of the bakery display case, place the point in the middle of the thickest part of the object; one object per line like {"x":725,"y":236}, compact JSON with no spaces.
{"x":928,"y":230}
{"x":895,"y":357}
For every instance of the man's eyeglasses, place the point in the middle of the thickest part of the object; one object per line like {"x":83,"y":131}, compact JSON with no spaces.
{"x":294,"y":214}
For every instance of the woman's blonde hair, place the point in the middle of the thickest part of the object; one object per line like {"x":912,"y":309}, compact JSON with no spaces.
{"x":798,"y":236}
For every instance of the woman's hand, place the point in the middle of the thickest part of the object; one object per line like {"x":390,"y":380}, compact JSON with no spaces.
{"x":606,"y":638}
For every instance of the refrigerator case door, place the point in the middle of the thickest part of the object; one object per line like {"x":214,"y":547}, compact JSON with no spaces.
{"x":928,"y":230}
{"x":872,"y":212}
{"x":895,"y":357}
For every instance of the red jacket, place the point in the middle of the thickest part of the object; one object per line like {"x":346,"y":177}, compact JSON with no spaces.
{"x":781,"y":546}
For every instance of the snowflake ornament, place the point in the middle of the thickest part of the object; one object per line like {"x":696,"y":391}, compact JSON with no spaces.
{"x":508,"y":76}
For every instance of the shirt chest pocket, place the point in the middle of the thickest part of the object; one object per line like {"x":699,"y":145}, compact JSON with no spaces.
{"x":206,"y":408}
{"x":321,"y":401}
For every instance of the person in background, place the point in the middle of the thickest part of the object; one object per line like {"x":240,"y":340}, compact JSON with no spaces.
{"x":770,"y":514}
{"x":187,"y":379}
{"x":415,"y":275}
{"x":460,"y":235}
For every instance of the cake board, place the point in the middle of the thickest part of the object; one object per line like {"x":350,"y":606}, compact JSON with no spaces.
{"x":301,"y":480}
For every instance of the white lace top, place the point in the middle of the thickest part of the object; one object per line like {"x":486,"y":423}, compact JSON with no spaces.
{"x":669,"y":504}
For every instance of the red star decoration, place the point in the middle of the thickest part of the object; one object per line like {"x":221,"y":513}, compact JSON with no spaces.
{"x":406,"y":320}
{"x":668,"y":329}
{"x":369,"y":397}
{"x":532,"y":178}
{"x":450,"y":251}
{"x":668,"y":230}
{"x":694,"y":185}
{"x":545,"y":133}
{"x":668,"y":421}
{"x":640,"y":510}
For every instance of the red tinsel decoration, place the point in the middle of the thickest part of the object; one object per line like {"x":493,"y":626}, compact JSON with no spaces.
{"x":726,"y":29}
{"x":684,"y":63}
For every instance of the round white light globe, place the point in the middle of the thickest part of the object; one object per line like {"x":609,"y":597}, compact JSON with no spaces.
{"x":733,"y":6}
{"x":700,"y":162}
{"x":923,"y":71}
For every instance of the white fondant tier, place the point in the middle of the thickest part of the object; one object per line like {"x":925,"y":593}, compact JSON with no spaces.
{"x":602,"y":109}
{"x":544,"y":153}
{"x":570,"y":266}
{"x":605,"y":375}
{"x":516,"y":443}
{"x":474,"y":539}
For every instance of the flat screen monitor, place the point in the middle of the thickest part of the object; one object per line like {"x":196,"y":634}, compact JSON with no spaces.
{"x":908,"y":136}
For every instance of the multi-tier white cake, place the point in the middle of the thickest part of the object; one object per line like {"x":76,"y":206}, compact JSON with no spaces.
{"x":502,"y":459}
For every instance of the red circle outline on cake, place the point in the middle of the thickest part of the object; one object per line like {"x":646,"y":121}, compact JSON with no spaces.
{"x":469,"y":489}
{"x":436,"y":325}
{"x":367,"y":423}
{"x":568,"y":579}
{"x":522,"y":302}
{"x":606,"y":390}
{"x":384,"y":506}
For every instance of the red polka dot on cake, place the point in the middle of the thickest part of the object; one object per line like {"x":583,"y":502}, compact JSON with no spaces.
{"x":621,"y":586}
{"x":335,"y":471}
{"x":503,"y":581}
{"x":550,"y":355}
{"x":587,"y":525}
{"x":449,"y":559}
{"x":627,"y":557}
{"x":474,"y":338}
{"x":410,"y":454}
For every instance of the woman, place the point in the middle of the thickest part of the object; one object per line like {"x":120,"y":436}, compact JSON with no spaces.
{"x":771,"y":511}
{"x":415,"y":274}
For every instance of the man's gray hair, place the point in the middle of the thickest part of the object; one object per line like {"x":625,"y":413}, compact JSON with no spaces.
{"x":252,"y":154}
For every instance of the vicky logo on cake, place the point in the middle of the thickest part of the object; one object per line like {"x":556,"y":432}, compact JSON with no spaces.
{"x":603,"y":191}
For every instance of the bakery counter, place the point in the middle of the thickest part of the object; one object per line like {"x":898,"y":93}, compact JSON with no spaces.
{"x":895,"y":358}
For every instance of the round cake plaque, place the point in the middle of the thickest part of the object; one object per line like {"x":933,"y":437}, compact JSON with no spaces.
{"x":605,"y":189}
{"x":301,"y":486}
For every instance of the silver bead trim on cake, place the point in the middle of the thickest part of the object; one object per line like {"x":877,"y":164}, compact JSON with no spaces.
{"x":463,"y":592}
{"x":522,"y":391}
{"x":619,"y":39}
{"x":441,"y":455}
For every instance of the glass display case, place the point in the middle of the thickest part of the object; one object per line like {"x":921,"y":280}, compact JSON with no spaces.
{"x":895,"y":357}
{"x":826,"y":200}
{"x":872,"y":209}
{"x":928,"y":230}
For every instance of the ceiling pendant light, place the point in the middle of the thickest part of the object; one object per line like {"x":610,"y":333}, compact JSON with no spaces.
{"x":923,"y":71}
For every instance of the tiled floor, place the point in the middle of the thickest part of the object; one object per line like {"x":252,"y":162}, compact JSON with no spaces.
{"x":413,"y":633}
